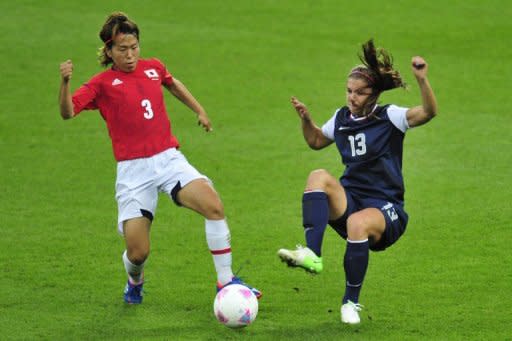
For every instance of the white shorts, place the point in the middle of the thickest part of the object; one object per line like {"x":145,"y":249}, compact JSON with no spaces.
{"x":139,"y":181}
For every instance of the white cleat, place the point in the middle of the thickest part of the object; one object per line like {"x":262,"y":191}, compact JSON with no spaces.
{"x":350,"y":312}
{"x":302,"y":257}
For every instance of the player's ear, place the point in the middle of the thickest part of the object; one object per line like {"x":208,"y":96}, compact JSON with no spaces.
{"x":108,"y":52}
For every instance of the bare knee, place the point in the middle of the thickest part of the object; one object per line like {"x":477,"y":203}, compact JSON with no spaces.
{"x":366,"y":223}
{"x":214,"y":210}
{"x":137,"y":254}
{"x":356,"y":227}
{"x":201,"y":197}
{"x":320,"y":179}
{"x":209,"y":203}
{"x":136,"y":235}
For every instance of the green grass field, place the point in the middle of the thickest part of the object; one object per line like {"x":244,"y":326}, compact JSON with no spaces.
{"x":448,"y":278}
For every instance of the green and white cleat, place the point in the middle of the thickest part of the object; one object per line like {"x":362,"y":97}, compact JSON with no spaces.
{"x":302,"y":257}
{"x":350,"y":312}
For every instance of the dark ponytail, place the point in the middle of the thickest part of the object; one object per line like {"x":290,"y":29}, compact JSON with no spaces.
{"x":377,"y":70}
{"x":379,"y":65}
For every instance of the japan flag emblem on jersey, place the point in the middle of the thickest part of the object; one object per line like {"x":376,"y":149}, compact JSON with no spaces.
{"x":152,"y":74}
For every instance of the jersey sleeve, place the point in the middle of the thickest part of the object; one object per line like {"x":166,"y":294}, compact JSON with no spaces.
{"x":397,"y":116}
{"x":84,"y":98}
{"x":166,"y":76}
{"x":328,"y":127}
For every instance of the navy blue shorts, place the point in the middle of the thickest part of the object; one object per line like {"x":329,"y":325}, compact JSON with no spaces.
{"x":396,"y":219}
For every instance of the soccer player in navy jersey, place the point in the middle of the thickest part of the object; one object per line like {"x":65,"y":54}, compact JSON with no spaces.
{"x":129,"y":97}
{"x":366,"y":205}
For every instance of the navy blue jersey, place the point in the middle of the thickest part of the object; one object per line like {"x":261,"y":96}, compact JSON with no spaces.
{"x":371,"y":150}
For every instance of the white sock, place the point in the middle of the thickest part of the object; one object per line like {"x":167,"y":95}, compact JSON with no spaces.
{"x":219,"y":243}
{"x":135,"y":272}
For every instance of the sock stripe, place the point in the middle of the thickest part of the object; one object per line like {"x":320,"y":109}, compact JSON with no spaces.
{"x":307,"y":190}
{"x":357,"y":241}
{"x":221,"y":251}
{"x":354,"y":285}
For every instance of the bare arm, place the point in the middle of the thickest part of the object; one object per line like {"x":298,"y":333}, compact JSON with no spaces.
{"x":180,"y":91}
{"x":422,"y":114}
{"x":65,"y":102}
{"x":312,"y":133}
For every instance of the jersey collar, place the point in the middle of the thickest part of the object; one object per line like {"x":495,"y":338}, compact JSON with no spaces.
{"x":356,"y":118}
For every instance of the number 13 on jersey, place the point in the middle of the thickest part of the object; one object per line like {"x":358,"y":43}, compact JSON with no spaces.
{"x":357,"y":144}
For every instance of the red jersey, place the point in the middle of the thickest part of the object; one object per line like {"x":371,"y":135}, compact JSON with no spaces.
{"x":133,"y":106}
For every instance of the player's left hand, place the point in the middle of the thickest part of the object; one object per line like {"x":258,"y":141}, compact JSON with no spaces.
{"x":419,"y":67}
{"x":204,"y":122}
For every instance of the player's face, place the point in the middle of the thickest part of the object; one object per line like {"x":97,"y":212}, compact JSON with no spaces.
{"x":358,"y":93}
{"x":125,"y":52}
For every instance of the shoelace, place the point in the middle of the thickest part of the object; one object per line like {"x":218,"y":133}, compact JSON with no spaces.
{"x":356,"y":306}
{"x":242,"y":281}
{"x":239,"y":269}
{"x":239,"y":278}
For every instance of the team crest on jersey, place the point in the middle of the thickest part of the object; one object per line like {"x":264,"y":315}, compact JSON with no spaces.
{"x":152,"y":74}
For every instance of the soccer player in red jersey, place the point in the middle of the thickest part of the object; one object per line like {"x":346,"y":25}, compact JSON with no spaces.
{"x":130,"y":99}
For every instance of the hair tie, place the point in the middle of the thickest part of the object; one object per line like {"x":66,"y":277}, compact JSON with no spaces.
{"x":370,"y":80}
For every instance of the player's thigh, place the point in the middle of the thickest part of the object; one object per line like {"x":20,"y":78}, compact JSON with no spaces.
{"x":177,"y":178}
{"x":136,"y":235}
{"x":320,"y":179}
{"x":337,"y":201}
{"x":368,"y":222}
{"x":200,"y":196}
{"x":136,"y":191}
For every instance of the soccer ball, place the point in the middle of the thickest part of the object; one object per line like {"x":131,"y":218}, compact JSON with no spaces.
{"x":235,"y":306}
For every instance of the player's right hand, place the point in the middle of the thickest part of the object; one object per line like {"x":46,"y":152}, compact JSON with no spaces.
{"x":66,"y":70}
{"x":301,"y":109}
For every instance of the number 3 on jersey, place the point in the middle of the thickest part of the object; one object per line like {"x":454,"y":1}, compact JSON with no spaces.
{"x":148,"y":113}
{"x":357,"y":144}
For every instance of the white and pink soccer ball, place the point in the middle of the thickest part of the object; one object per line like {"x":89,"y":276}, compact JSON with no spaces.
{"x":235,"y":306}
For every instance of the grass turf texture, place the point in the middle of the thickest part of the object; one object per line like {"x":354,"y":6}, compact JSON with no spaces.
{"x":448,"y":278}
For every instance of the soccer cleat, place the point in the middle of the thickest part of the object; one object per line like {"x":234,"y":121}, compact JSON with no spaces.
{"x":133,"y":293}
{"x":302,"y":257}
{"x":237,"y":280}
{"x":350,"y":312}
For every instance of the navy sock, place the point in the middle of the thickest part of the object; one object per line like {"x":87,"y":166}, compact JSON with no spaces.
{"x":315,"y":216}
{"x":356,"y":263}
